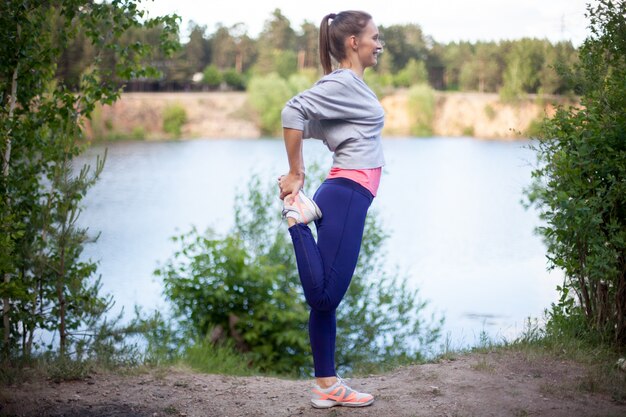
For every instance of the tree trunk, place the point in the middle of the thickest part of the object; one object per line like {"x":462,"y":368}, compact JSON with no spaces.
{"x":6,"y":158}
{"x":61,"y":298}
{"x":620,"y":305}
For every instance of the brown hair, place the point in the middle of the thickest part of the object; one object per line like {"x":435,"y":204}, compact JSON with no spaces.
{"x":333,"y":35}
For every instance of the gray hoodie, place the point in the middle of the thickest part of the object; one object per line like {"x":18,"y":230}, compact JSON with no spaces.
{"x":341,"y":110}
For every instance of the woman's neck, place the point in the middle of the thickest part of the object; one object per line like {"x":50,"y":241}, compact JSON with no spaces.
{"x":357,"y":69}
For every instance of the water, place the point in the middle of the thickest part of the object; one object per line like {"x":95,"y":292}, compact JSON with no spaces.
{"x":452,"y":207}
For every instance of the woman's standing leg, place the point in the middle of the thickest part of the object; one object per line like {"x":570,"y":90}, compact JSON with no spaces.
{"x":326,"y":266}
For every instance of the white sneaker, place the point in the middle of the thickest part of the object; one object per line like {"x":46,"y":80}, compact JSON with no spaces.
{"x":339,"y":394}
{"x":302,"y":209}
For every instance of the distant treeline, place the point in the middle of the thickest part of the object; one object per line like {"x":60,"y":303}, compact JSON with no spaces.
{"x":229,"y":57}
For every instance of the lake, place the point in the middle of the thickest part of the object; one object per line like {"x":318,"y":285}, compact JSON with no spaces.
{"x":458,"y":231}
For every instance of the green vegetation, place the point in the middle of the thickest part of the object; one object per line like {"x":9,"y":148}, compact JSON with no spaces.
{"x":579,"y":188}
{"x":243,"y":289}
{"x":269,"y":93}
{"x":422,"y":110}
{"x":268,"y":96}
{"x":234,"y":80}
{"x":174,"y":117}
{"x":410,"y":57}
{"x":413,"y":73}
{"x":212,"y":77}
{"x":45,"y":287}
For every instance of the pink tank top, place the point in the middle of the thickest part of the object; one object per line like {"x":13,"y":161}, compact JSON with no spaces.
{"x":368,"y":178}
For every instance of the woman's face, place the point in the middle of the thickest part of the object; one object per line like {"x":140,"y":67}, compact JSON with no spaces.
{"x":369,"y":45}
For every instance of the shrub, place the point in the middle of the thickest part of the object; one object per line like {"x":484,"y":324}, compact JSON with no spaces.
{"x":580,"y":187}
{"x":413,"y":73}
{"x":234,"y":79}
{"x":422,"y":109}
{"x":212,"y":77}
{"x":174,"y":117}
{"x":243,"y":288}
{"x":379,"y":83}
{"x":268,"y":95}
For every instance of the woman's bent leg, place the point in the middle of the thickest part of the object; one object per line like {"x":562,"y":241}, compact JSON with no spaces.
{"x":326,"y":267}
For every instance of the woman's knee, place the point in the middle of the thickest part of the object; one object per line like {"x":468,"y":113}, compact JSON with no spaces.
{"x":324,"y":304}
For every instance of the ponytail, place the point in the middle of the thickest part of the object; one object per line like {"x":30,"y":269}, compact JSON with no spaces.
{"x":333,"y":36}
{"x":325,"y":43}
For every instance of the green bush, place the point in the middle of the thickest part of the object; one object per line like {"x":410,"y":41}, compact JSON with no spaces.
{"x":299,"y":82}
{"x":268,"y":95}
{"x":212,"y":77}
{"x":174,"y":117}
{"x":413,"y":73}
{"x":580,"y":188}
{"x":244,"y":288}
{"x":422,"y":109}
{"x":234,"y":79}
{"x":379,"y":83}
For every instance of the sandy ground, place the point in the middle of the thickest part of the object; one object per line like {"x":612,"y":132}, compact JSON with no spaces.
{"x":489,"y":384}
{"x":228,"y":115}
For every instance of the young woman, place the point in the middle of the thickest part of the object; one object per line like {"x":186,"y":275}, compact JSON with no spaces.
{"x":341,"y":110}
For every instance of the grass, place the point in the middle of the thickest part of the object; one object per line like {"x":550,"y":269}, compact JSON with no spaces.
{"x":218,"y":359}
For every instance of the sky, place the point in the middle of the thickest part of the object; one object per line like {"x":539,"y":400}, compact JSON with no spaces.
{"x":444,"y":20}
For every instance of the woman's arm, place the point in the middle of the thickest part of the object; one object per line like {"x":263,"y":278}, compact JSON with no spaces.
{"x":293,"y":181}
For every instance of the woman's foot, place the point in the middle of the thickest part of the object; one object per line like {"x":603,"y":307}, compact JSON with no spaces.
{"x":339,"y":394}
{"x":301,"y":209}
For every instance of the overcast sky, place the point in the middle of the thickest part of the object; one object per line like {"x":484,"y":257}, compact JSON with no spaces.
{"x":444,"y":20}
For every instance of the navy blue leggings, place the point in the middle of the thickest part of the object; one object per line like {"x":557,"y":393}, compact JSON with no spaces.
{"x":326,"y":267}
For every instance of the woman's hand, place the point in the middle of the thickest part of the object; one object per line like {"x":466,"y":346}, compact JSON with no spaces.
{"x":289,"y":184}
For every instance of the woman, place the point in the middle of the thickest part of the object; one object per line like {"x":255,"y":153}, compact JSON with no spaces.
{"x":341,"y":110}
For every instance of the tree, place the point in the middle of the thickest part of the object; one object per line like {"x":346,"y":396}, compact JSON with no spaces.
{"x":579,"y":186}
{"x":484,"y":71}
{"x":44,"y":283}
{"x":454,"y":56}
{"x":197,"y":50}
{"x":523,"y":66}
{"x":402,"y":43}
{"x":277,"y":43}
{"x":308,"y":45}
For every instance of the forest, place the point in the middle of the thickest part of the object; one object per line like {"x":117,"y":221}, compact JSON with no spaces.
{"x":227,"y":57}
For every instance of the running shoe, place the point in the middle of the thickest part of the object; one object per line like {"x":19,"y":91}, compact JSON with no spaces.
{"x":339,"y":394}
{"x":302,"y":209}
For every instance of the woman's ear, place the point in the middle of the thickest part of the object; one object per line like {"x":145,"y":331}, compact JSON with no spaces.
{"x":353,"y":43}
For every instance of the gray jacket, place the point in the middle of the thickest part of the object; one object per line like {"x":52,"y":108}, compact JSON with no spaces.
{"x":341,"y":110}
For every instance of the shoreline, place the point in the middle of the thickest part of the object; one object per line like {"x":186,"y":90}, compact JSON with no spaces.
{"x":228,"y":115}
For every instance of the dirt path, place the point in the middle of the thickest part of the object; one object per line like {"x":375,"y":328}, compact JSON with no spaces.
{"x":494,"y":384}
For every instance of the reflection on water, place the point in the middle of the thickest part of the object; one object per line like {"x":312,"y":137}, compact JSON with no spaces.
{"x":451,"y":206}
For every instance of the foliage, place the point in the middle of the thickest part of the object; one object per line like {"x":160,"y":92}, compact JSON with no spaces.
{"x":221,"y":358}
{"x":300,"y":82}
{"x":413,"y":73}
{"x":379,"y":83}
{"x":212,"y":77}
{"x":174,"y":117}
{"x":46,"y":286}
{"x":244,"y":288}
{"x":517,"y":66}
{"x":268,"y":95}
{"x":234,"y":80}
{"x":422,"y":109}
{"x":580,"y":187}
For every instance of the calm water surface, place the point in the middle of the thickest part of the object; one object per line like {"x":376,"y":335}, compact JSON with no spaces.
{"x":451,"y":206}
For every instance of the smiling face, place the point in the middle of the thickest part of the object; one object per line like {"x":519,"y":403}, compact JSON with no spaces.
{"x":369,"y":45}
